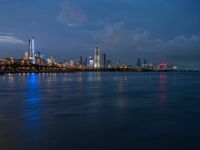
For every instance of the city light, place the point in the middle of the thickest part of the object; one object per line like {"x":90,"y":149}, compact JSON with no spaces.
{"x":34,"y":61}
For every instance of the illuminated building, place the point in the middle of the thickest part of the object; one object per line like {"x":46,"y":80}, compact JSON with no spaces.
{"x":163,"y":66}
{"x":65,"y":63}
{"x":97,"y":63}
{"x":38,"y":59}
{"x":119,"y":63}
{"x":26,"y":55}
{"x":51,"y":61}
{"x":31,"y":51}
{"x":91,"y":62}
{"x":109,"y":63}
{"x":71,"y":63}
{"x":38,"y":55}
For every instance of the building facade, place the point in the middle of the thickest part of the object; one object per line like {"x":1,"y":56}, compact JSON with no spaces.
{"x":104,"y":60}
{"x":97,"y":61}
{"x":31,"y":51}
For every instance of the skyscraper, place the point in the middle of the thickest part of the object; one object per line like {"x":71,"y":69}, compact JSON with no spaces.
{"x":144,"y":62}
{"x":86,"y":62}
{"x":97,"y":62}
{"x":81,"y":61}
{"x":31,"y":51}
{"x":91,"y":62}
{"x":104,"y":61}
{"x":138,"y":62}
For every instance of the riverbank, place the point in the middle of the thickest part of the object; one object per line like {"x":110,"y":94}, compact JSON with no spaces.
{"x":59,"y":70}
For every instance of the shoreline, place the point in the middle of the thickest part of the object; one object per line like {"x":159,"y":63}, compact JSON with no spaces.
{"x":3,"y":72}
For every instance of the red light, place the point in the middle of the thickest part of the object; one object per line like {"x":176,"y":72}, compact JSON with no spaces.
{"x":163,"y":65}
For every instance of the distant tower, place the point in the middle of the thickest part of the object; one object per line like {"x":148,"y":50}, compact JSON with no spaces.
{"x":97,"y":61}
{"x":104,"y":61}
{"x":139,"y":62}
{"x":31,"y":51}
{"x":86,"y":62}
{"x":91,"y":62}
{"x":145,"y":62}
{"x":81,"y":61}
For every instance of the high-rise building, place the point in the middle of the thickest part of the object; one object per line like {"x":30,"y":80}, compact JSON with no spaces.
{"x":91,"y":62}
{"x":97,"y":61}
{"x":51,"y":61}
{"x":37,"y":55}
{"x":81,"y":61}
{"x":104,"y":61}
{"x":31,"y":51}
{"x":86,"y":62}
{"x":71,"y":63}
{"x":144,"y":62}
{"x":26,"y":55}
{"x":138,"y":62}
{"x":109,"y":63}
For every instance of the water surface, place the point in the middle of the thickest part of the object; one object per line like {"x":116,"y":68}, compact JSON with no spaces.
{"x":97,"y":111}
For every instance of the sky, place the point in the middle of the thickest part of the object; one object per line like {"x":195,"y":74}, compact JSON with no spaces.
{"x":156,"y":30}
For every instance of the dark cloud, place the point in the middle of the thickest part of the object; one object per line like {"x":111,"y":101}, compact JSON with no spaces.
{"x":116,"y":34}
{"x":140,"y":43}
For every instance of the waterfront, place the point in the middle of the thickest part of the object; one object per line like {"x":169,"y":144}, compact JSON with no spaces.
{"x":100,"y":110}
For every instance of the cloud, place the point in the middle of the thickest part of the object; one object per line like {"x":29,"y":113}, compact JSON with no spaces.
{"x":6,"y":33}
{"x":140,"y":43}
{"x":6,"y":39}
{"x":180,"y":48}
{"x":116,"y":34}
{"x":113,"y":33}
{"x":71,"y":14}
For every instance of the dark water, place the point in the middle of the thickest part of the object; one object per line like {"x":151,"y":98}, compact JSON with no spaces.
{"x":100,"y":111}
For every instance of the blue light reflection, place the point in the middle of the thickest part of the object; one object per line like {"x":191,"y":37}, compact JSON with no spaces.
{"x":33,"y":103}
{"x":33,"y":89}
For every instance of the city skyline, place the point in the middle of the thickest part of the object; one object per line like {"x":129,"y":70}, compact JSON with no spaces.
{"x":70,"y":29}
{"x":34,"y":61}
{"x":97,"y":60}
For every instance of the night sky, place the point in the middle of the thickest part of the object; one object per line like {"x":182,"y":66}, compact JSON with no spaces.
{"x":156,"y":30}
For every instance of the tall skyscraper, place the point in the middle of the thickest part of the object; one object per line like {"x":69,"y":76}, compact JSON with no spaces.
{"x":31,"y":51}
{"x":104,"y":61}
{"x":97,"y":61}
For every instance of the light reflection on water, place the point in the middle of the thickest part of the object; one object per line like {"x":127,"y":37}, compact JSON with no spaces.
{"x":108,"y":108}
{"x":11,"y":78}
{"x":32,"y":102}
{"x":122,"y":101}
{"x":163,"y":89}
{"x":94,"y":76}
{"x":32,"y":105}
{"x":33,"y":89}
